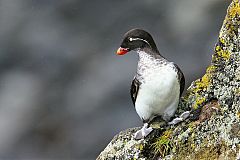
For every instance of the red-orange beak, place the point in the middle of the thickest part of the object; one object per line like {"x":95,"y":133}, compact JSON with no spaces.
{"x":122,"y":51}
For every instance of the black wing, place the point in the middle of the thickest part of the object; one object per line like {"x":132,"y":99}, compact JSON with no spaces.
{"x":181,"y":79}
{"x":134,"y":90}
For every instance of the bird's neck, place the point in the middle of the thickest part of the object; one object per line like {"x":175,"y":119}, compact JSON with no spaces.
{"x":148,"y":63}
{"x":144,"y":56}
{"x":147,"y":55}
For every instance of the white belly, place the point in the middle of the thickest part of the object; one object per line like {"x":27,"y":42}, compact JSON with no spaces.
{"x":159,"y":94}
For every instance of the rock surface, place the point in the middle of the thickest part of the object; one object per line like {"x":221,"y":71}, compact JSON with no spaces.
{"x":213,"y":129}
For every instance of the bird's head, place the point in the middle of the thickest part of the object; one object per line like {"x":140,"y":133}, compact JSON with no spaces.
{"x":136,"y":39}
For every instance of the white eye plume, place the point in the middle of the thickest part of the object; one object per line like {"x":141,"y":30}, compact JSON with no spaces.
{"x":138,"y":39}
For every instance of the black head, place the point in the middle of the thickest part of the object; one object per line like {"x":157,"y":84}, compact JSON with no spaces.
{"x":137,"y":39}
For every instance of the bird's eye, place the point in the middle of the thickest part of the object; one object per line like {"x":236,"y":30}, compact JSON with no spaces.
{"x":130,"y":39}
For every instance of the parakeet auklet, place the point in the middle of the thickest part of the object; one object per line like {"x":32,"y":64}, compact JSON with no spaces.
{"x":158,"y":83}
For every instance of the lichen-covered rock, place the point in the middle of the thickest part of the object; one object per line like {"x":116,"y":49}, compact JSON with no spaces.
{"x":123,"y":146}
{"x":213,"y":129}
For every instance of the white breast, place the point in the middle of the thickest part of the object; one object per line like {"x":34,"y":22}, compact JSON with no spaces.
{"x":159,"y":94}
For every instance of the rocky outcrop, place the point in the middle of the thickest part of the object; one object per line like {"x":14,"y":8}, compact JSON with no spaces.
{"x":213,"y":129}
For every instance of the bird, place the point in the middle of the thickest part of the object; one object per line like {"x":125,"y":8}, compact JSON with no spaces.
{"x":158,"y":83}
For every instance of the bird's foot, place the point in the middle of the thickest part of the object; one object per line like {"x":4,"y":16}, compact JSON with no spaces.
{"x":181,"y":118}
{"x":143,"y":132}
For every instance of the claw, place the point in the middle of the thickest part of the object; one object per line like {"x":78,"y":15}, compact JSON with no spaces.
{"x":175,"y":121}
{"x":146,"y":131}
{"x":138,"y":135}
{"x":143,"y":132}
{"x":185,"y":115}
{"x":181,"y":118}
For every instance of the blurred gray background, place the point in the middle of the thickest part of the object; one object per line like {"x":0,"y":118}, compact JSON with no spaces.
{"x":64,"y":93}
